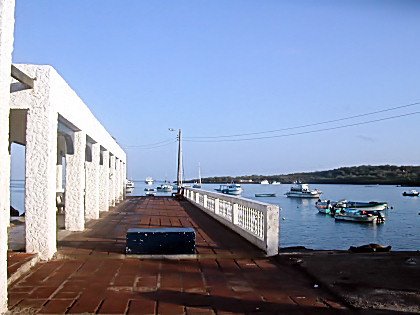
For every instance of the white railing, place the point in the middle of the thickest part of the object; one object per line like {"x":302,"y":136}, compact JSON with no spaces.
{"x":257,"y":222}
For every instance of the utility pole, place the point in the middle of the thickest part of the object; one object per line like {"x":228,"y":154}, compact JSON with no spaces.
{"x":179,"y":176}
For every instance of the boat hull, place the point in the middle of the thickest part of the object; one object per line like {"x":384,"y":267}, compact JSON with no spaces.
{"x":265,"y":195}
{"x":302,"y":195}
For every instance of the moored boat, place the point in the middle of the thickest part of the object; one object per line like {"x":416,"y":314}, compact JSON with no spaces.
{"x":198,"y":184}
{"x":369,"y":206}
{"x":275,"y":183}
{"x":230,"y":189}
{"x":149,"y":180}
{"x":265,"y":195}
{"x":357,"y":215}
{"x":165,"y":188}
{"x":129,"y":184}
{"x":299,"y":190}
{"x":264,"y":182}
{"x":150,"y":191}
{"x":411,"y":193}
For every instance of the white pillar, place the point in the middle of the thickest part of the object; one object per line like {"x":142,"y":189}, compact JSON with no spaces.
{"x":120,"y":181}
{"x":75,"y":185}
{"x":40,"y":170}
{"x":116,"y":180}
{"x":7,"y":22}
{"x":59,"y":174}
{"x":124,"y":174}
{"x":112,"y":180}
{"x":92,"y":184}
{"x":104,"y":182}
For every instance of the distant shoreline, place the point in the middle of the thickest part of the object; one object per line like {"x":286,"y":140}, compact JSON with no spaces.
{"x":405,"y":176}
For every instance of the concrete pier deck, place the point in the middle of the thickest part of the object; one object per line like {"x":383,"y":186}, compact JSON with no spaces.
{"x":91,"y":273}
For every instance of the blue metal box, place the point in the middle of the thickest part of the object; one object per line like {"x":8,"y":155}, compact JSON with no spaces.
{"x":160,"y":241}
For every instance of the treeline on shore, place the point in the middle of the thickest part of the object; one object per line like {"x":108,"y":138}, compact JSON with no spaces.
{"x":365,"y":174}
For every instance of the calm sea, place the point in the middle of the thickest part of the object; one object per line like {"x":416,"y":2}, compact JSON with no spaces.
{"x":302,"y":225}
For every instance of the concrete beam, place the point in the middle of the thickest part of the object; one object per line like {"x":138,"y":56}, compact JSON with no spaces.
{"x":22,"y":77}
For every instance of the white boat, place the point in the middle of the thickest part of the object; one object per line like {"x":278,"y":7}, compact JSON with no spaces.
{"x":230,"y":189}
{"x":149,"y":180}
{"x":165,"y":188}
{"x":150,"y":191}
{"x":299,"y":190}
{"x":275,"y":183}
{"x":356,"y":215}
{"x":129,"y":184}
{"x":361,"y":205}
{"x":198,"y":184}
{"x":264,"y":182}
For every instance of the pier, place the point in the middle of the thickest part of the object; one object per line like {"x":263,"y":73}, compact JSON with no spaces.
{"x":92,"y":274}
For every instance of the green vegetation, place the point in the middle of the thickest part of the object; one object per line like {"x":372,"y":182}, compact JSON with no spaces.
{"x":365,"y":174}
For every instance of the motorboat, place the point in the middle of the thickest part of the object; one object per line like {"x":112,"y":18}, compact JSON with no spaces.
{"x":150,"y":191}
{"x":299,"y":190}
{"x":165,"y":188}
{"x":411,"y":193}
{"x":129,"y":184}
{"x":357,"y":215}
{"x":275,"y":183}
{"x":369,"y":206}
{"x":230,"y":189}
{"x":198,"y":184}
{"x":264,"y":182}
{"x":265,"y":195}
{"x":149,"y":180}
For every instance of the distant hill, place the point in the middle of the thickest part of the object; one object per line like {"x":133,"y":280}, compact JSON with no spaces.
{"x":365,"y":174}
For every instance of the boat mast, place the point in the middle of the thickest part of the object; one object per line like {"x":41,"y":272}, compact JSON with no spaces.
{"x":199,"y":173}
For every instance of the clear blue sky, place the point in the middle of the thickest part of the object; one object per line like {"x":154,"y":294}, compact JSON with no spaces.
{"x":231,"y":67}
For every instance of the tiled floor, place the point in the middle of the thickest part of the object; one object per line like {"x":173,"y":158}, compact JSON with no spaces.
{"x":229,"y":276}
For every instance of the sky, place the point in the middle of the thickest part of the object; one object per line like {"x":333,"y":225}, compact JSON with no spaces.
{"x":218,"y":68}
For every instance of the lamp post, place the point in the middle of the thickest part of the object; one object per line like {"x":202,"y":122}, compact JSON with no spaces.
{"x":179,"y":173}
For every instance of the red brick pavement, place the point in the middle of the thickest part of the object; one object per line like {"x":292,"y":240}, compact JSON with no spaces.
{"x":91,"y":274}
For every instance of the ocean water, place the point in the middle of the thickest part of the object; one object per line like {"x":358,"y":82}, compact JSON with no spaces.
{"x":302,"y":225}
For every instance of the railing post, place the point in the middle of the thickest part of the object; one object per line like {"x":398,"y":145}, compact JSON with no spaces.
{"x":216,"y":206}
{"x":197,"y":197}
{"x":205,"y":201}
{"x":271,"y":230}
{"x":235,"y":213}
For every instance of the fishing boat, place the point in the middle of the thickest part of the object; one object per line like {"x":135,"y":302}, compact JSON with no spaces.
{"x":198,"y":184}
{"x":265,"y":195}
{"x":411,"y":193}
{"x":149,"y":180}
{"x":230,"y":189}
{"x":299,"y":190}
{"x":264,"y":182}
{"x":357,"y":215}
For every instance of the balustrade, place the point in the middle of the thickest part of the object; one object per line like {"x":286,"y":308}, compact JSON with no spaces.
{"x":257,"y":222}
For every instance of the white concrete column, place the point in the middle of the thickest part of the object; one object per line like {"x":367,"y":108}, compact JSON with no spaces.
{"x":7,"y":22}
{"x":104,"y":182}
{"x":112,"y":180}
{"x":124,"y":174}
{"x":92,"y":184}
{"x":75,"y":185}
{"x":116,"y":180}
{"x":40,"y":165}
{"x":59,"y":174}
{"x":120,"y":181}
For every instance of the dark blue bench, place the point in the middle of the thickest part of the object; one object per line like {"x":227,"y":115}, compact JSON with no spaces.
{"x":160,"y":241}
